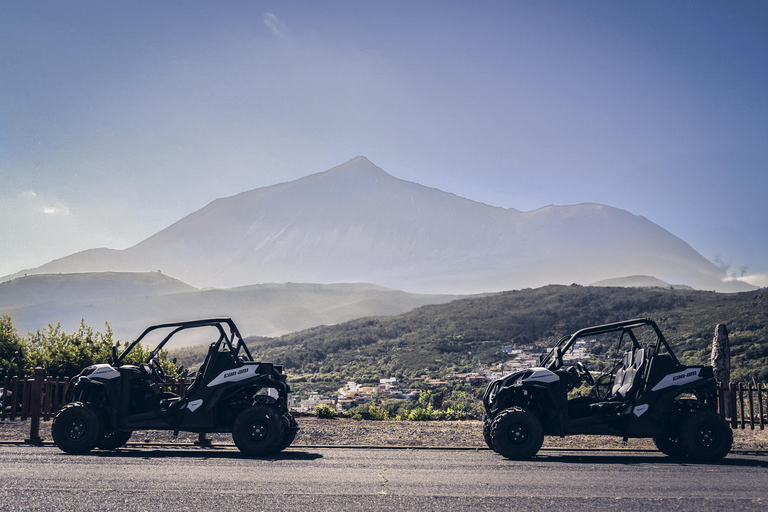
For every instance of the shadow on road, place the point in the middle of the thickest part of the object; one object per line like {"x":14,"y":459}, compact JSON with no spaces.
{"x":198,"y":454}
{"x":732,"y":461}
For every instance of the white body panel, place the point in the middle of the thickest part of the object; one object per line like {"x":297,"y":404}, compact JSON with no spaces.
{"x":678,"y":379}
{"x":541,"y":375}
{"x":104,"y":371}
{"x":234,"y":375}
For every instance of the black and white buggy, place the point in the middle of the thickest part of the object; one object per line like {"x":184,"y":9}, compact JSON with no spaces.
{"x":231,"y":393}
{"x":647,"y":394}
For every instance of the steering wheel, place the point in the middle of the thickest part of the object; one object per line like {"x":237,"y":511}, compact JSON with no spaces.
{"x":157,"y":370}
{"x":583,"y":373}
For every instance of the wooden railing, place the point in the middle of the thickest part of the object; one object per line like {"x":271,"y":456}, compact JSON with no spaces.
{"x":743,"y":404}
{"x":39,"y":398}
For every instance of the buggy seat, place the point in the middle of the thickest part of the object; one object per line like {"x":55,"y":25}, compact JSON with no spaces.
{"x":626,"y":382}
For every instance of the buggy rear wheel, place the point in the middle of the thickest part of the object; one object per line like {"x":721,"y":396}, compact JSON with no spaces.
{"x":113,"y":440}
{"x":669,"y":446}
{"x":487,"y":434}
{"x":258,"y":431}
{"x":517,"y":434}
{"x":705,"y":436}
{"x":76,"y":428}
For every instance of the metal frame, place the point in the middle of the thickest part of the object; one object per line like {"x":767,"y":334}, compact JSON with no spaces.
{"x":181,"y":326}
{"x":626,"y":326}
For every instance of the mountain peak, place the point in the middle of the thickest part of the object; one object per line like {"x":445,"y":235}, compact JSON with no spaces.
{"x":355,"y":176}
{"x":358,"y":166}
{"x":356,"y":223}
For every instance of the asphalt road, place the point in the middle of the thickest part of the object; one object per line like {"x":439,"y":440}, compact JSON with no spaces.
{"x":43,"y":478}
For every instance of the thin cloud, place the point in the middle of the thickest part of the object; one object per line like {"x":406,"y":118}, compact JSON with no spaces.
{"x":275,"y":25}
{"x":759,"y":280}
{"x":31,"y":199}
{"x":58,"y":209}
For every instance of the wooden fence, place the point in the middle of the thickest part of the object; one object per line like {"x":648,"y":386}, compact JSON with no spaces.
{"x":39,"y":398}
{"x":748,"y":404}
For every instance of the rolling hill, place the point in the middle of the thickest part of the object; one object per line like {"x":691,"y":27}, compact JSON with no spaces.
{"x":129,"y":302}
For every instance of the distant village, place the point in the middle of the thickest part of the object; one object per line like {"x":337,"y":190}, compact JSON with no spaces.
{"x":353,"y":394}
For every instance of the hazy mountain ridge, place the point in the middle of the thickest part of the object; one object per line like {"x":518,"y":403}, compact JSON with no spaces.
{"x":150,"y":298}
{"x":356,"y":223}
{"x":639,"y":282}
{"x":79,"y":287}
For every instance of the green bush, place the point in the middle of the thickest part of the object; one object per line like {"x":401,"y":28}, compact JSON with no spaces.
{"x":65,"y":355}
{"x":422,"y":414}
{"x":12,"y":350}
{"x":62,"y":354}
{"x":324,"y":411}
{"x":378,"y":413}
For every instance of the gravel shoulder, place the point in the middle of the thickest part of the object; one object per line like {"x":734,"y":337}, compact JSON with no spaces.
{"x":347,"y":432}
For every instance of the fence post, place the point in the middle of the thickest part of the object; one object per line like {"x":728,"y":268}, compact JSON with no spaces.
{"x":760,"y":404}
{"x":47,"y":390}
{"x":741,"y":404}
{"x":26,"y":384}
{"x":721,"y":361}
{"x":4,"y":398}
{"x":722,"y":389}
{"x":14,"y":396}
{"x":64,"y":392}
{"x":732,"y":409}
{"x":751,"y":407}
{"x":36,"y":390}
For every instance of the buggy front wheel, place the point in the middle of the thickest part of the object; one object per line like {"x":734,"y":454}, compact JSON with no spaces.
{"x":705,"y":436}
{"x":76,"y":428}
{"x":258,"y":431}
{"x":290,"y":429}
{"x":517,"y":434}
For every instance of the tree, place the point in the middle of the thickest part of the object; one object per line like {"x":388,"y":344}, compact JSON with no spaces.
{"x":12,"y":349}
{"x":65,"y":355}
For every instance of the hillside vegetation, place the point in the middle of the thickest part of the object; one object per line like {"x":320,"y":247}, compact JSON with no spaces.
{"x":465,"y":334}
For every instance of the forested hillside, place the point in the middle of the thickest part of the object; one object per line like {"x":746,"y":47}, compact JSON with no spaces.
{"x":464,"y":334}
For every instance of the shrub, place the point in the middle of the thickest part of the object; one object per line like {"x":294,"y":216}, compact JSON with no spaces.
{"x":63,"y":354}
{"x":378,"y":413}
{"x":324,"y":411}
{"x":422,"y":414}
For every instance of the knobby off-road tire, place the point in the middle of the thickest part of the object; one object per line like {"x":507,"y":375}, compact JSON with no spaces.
{"x":290,"y":429}
{"x":669,"y":446}
{"x":76,"y":428}
{"x":258,"y":431}
{"x":113,"y":440}
{"x":517,"y":434}
{"x":705,"y":436}
{"x":487,"y":434}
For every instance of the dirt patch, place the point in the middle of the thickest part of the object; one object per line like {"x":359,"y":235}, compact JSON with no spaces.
{"x":347,"y":432}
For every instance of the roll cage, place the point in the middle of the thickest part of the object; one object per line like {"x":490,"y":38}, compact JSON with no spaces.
{"x":553,"y":360}
{"x":232,"y":339}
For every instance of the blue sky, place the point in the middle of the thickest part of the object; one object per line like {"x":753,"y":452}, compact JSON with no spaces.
{"x":119,"y":118}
